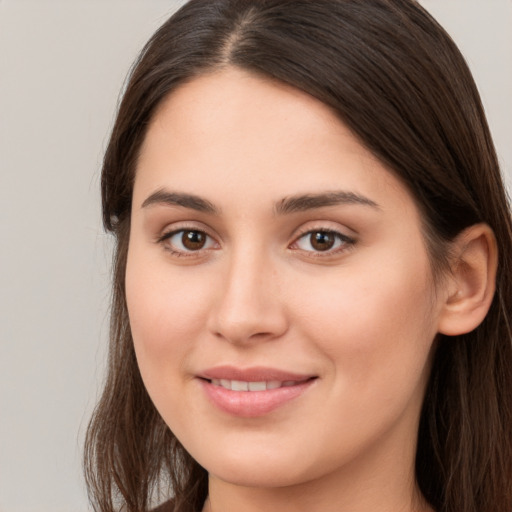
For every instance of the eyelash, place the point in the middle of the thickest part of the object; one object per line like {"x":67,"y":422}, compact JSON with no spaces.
{"x":344,"y":242}
{"x":182,"y":253}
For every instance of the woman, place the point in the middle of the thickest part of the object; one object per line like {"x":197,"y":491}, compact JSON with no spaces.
{"x":311,"y":283}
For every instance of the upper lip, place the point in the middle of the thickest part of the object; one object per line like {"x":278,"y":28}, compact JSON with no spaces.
{"x":252,"y":374}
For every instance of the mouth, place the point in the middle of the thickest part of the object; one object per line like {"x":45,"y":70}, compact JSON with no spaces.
{"x":240,"y":385}
{"x":252,"y":392}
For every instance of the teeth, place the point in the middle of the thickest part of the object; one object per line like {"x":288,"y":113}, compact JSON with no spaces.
{"x":240,"y":385}
{"x":257,"y":386}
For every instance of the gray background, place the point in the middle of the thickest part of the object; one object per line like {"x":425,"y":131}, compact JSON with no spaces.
{"x":62,"y":64}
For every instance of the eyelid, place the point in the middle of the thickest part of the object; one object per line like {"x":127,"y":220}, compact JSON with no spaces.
{"x":348,"y":241}
{"x":178,"y":227}
{"x":326,"y":226}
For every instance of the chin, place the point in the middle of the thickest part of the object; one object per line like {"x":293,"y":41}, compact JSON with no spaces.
{"x":261,"y":469}
{"x":258,"y":477}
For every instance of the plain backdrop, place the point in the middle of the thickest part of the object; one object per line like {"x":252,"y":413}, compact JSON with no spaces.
{"x":62,"y":64}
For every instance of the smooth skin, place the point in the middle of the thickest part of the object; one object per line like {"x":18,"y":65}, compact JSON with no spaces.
{"x":223,"y":269}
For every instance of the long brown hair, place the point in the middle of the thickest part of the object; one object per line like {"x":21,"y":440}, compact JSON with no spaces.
{"x":397,"y":80}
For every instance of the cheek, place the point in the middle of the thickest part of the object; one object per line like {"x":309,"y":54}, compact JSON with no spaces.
{"x":375,"y":331}
{"x":167,"y":315}
{"x":164,"y":307}
{"x":376,"y":321}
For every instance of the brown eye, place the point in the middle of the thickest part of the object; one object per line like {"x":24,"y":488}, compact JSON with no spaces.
{"x":193,"y":240}
{"x":319,"y":240}
{"x":322,"y":240}
{"x":187,"y":240}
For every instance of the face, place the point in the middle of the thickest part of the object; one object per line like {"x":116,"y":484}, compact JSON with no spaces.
{"x":279,"y":290}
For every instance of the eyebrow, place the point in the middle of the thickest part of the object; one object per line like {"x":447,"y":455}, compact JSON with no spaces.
{"x":287,"y":205}
{"x":306,"y":202}
{"x":164,"y":197}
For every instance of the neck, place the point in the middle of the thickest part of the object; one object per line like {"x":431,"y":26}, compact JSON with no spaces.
{"x":255,"y":500}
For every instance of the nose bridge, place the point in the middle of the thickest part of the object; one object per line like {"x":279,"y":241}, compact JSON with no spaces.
{"x":248,"y":306}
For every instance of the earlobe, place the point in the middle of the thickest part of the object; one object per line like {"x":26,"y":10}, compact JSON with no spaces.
{"x":471,"y":285}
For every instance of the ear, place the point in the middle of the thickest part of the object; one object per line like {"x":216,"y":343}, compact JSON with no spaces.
{"x":471,"y":284}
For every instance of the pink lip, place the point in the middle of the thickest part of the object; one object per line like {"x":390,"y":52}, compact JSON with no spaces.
{"x":252,"y":374}
{"x":251,"y":404}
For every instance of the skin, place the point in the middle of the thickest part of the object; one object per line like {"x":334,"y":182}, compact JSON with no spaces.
{"x":360,"y":317}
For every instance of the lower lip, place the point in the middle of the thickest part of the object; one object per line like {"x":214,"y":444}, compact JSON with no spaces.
{"x":250,"y":404}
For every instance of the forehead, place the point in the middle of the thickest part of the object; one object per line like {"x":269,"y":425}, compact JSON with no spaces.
{"x":238,"y":131}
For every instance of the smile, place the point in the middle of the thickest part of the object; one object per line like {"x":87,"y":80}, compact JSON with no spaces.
{"x":252,"y":392}
{"x":240,"y":385}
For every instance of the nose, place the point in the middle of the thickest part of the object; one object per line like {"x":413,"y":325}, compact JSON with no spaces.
{"x":248,"y":306}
